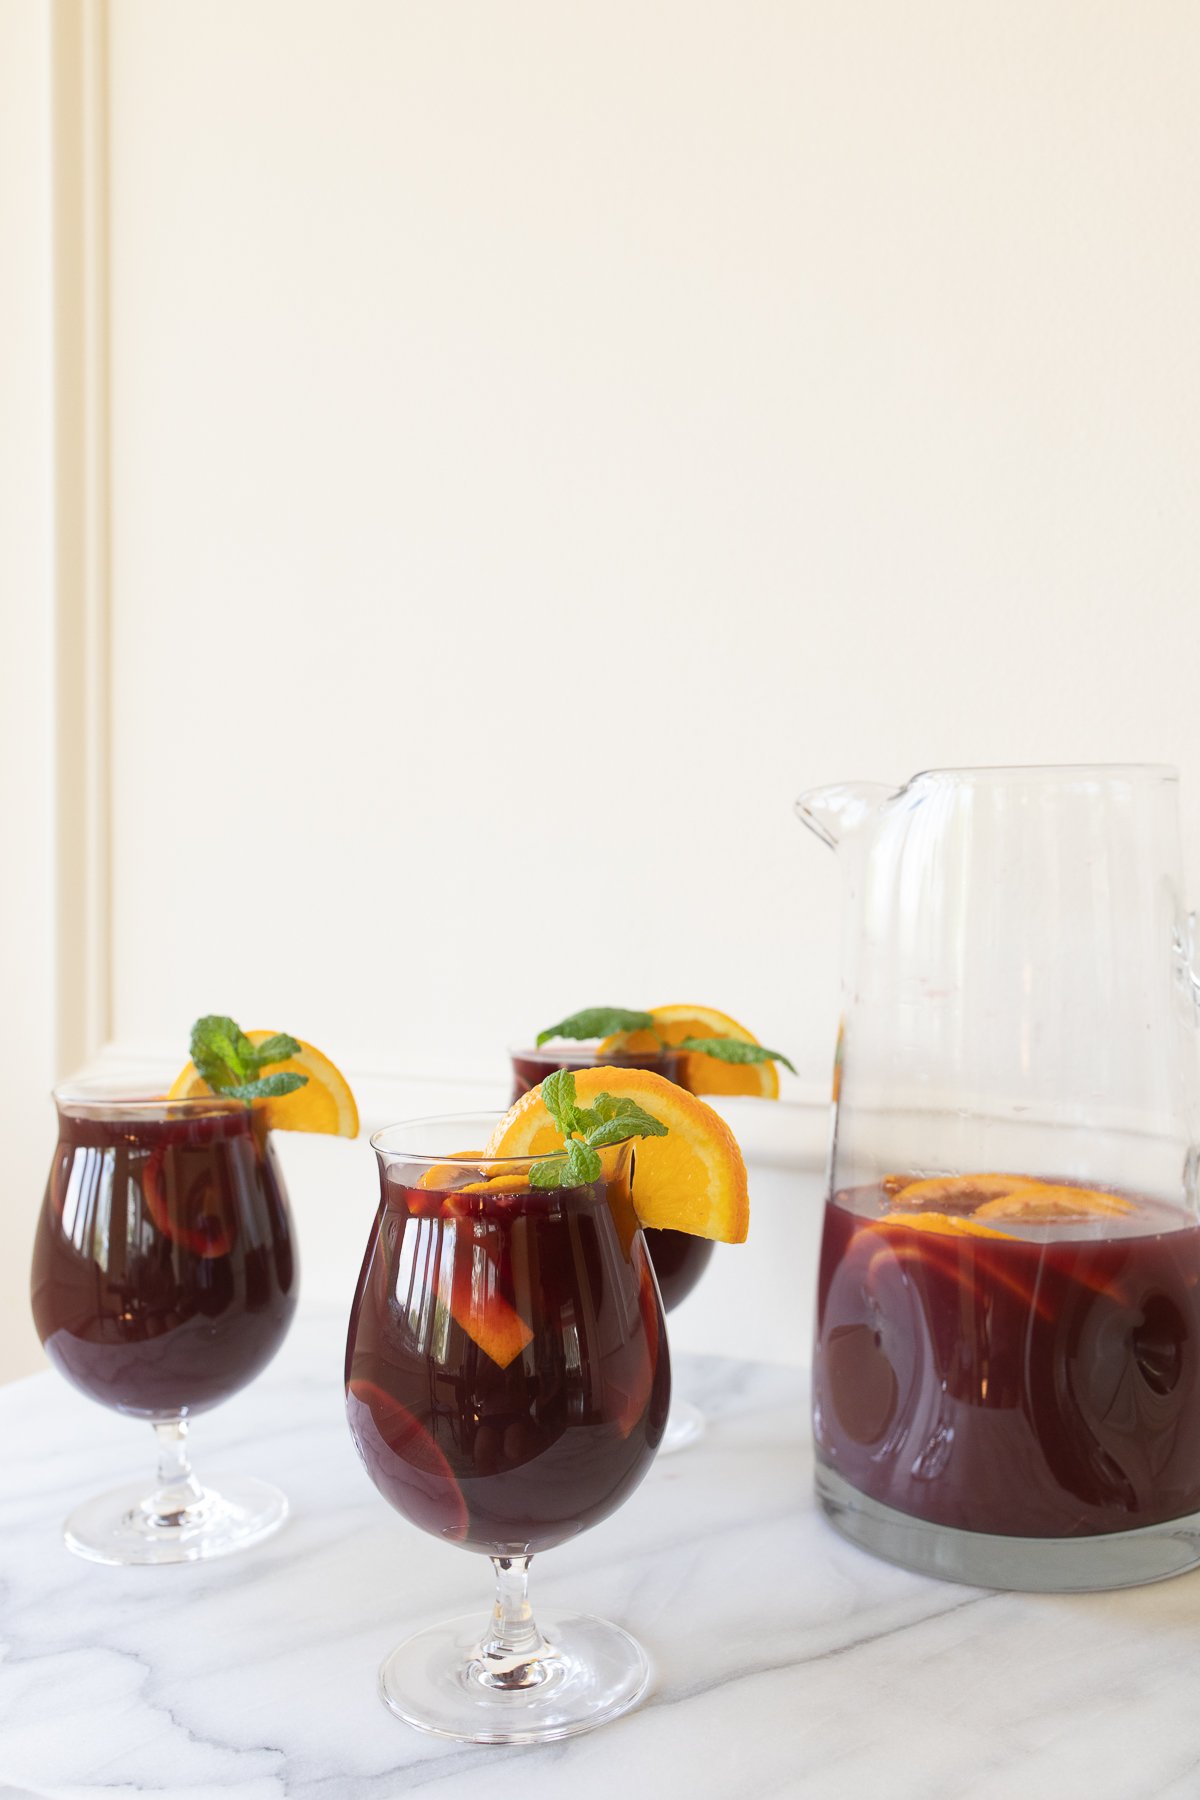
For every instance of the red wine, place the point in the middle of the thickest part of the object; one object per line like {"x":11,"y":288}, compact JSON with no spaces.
{"x":680,"y":1259}
{"x":507,"y":1374}
{"x":1044,"y":1382}
{"x":530,"y":1067}
{"x":164,"y":1272}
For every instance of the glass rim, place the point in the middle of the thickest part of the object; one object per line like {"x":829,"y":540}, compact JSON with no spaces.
{"x":476,"y":1160}
{"x":1058,"y":771}
{"x":571,"y":1050}
{"x":129,"y":1094}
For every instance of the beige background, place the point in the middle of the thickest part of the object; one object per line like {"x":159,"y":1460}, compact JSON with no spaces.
{"x":463,"y":469}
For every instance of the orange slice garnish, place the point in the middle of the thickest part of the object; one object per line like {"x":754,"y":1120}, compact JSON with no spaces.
{"x":956,"y":1190}
{"x":1043,"y":1201}
{"x":694,"y":1179}
{"x":325,"y":1102}
{"x":940,"y":1224}
{"x":702,"y":1074}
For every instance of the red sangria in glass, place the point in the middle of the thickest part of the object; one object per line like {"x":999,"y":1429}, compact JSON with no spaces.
{"x":164,"y":1279}
{"x":507,"y":1385}
{"x":679,"y":1257}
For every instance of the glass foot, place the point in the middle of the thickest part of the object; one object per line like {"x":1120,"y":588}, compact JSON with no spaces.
{"x":126,"y":1527}
{"x":587,"y":1673}
{"x":1075,"y":1565}
{"x":686,"y":1425}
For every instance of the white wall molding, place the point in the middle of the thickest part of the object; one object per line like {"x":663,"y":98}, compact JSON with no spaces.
{"x":81,"y":526}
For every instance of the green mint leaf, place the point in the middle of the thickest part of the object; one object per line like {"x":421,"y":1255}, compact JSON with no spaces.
{"x":619,"y":1131}
{"x":221,"y":1051}
{"x":578,"y":1166}
{"x":231,"y":1064}
{"x":558,"y":1097}
{"x":619,"y":1120}
{"x":548,"y":1173}
{"x":733,"y":1050}
{"x":275,"y":1049}
{"x":267,"y":1087}
{"x":583,"y":1165}
{"x":619,"y":1106}
{"x":598,"y":1022}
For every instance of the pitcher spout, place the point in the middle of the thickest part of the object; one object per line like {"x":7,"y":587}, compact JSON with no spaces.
{"x":833,"y":813}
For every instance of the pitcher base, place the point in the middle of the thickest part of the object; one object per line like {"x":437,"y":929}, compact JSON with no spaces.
{"x":1032,"y":1565}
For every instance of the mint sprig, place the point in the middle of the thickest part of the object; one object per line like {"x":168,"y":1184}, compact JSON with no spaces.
{"x":232,"y":1065}
{"x":734,"y":1050}
{"x":597,"y":1022}
{"x":611,"y":1119}
{"x":578,"y":1166}
{"x":606,"y":1021}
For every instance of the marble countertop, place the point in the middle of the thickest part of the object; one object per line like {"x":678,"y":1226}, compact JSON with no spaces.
{"x":786,"y":1661}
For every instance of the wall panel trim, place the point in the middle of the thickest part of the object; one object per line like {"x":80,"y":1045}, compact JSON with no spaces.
{"x":79,"y":157}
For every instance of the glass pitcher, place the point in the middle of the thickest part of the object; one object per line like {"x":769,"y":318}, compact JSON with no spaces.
{"x":1006,"y":1379}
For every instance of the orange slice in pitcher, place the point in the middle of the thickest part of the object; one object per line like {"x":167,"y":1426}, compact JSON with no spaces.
{"x":694,"y":1179}
{"x":324,"y":1104}
{"x":955,"y":1190}
{"x":1044,"y":1202}
{"x":701,"y":1074}
{"x":940,"y":1224}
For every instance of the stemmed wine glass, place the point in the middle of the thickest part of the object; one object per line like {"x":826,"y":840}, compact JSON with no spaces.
{"x":164,"y":1279}
{"x":507,"y":1383}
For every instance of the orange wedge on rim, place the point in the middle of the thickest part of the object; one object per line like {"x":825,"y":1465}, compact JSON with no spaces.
{"x":324,"y":1103}
{"x":694,"y":1179}
{"x":702,"y":1074}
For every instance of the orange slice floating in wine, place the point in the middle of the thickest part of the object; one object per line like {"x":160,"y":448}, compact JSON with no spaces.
{"x":430,"y":1495}
{"x":954,"y":1248}
{"x":954,"y":1190}
{"x":475,"y":1301}
{"x":204,"y":1221}
{"x":940,"y":1224}
{"x":477,"y":1304}
{"x":1043,"y":1202}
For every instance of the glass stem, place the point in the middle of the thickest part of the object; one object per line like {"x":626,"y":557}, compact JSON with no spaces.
{"x":178,"y":1492}
{"x":513,"y":1651}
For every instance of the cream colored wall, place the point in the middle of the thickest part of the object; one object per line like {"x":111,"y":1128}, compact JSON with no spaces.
{"x":545,"y":438}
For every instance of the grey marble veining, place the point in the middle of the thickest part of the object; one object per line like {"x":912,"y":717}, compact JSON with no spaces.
{"x":787,"y":1662}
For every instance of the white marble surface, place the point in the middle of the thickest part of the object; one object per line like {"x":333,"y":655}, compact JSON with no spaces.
{"x":787,"y":1662}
